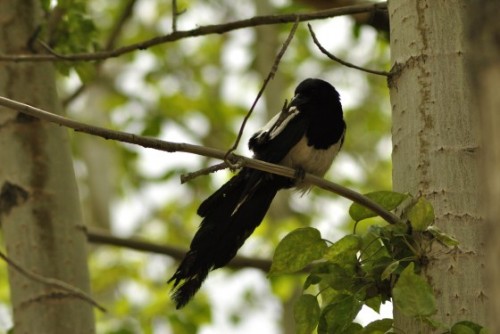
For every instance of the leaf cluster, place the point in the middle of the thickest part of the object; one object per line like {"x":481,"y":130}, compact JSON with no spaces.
{"x":382,"y":264}
{"x":68,"y":30}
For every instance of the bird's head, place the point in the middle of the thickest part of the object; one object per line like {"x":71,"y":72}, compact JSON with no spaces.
{"x":316,"y":95}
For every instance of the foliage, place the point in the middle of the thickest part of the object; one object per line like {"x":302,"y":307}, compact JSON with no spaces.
{"x":383,"y":264}
{"x":68,"y":30}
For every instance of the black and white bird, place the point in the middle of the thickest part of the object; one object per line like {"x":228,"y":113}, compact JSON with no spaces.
{"x":306,"y":135}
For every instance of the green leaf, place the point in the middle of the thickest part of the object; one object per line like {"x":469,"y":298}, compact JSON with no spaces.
{"x":413,"y":295}
{"x":442,"y":237}
{"x":306,"y":313}
{"x":86,"y":71}
{"x":297,"y":250}
{"x":343,"y":252}
{"x":374,"y":255}
{"x":378,"y":327}
{"x":338,"y":316}
{"x":353,"y":328}
{"x":374,"y":303}
{"x":338,"y":278}
{"x":466,"y":327}
{"x":45,"y":5}
{"x":421,"y":214}
{"x":461,"y":329}
{"x":387,"y":199}
{"x":389,"y":270}
{"x":433,"y":323}
{"x":331,"y":275}
{"x":312,"y":279}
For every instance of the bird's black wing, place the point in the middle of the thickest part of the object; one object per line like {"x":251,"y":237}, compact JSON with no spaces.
{"x":274,"y":143}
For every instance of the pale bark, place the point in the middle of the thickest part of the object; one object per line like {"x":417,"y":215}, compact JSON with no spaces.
{"x":483,"y":33}
{"x":435,"y":148}
{"x":39,"y":205}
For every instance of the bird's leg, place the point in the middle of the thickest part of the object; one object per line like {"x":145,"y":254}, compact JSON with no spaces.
{"x":299,"y":176}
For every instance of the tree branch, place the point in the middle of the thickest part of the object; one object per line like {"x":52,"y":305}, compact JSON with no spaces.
{"x":55,"y":283}
{"x":199,"y":150}
{"x":201,"y":31}
{"x":205,"y":171}
{"x":117,"y":28}
{"x":100,"y":237}
{"x":338,"y":60}
{"x":175,"y":14}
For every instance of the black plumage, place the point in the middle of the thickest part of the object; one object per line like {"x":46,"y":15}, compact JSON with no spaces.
{"x":306,"y":135}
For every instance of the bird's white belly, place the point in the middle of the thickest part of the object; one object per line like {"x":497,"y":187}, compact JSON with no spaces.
{"x":310,"y":159}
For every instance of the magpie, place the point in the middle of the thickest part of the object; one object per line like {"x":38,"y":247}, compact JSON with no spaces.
{"x":306,"y":135}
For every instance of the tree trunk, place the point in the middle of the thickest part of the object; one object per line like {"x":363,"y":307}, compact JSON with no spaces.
{"x":435,"y":148}
{"x":484,"y":69}
{"x":39,"y":205}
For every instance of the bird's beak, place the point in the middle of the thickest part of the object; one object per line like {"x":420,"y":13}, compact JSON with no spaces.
{"x":297,"y":100}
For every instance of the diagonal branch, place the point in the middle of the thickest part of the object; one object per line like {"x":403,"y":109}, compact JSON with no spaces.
{"x":199,"y":150}
{"x":271,"y":74}
{"x":338,"y":60}
{"x":118,"y":26}
{"x":201,"y":31}
{"x":55,"y":283}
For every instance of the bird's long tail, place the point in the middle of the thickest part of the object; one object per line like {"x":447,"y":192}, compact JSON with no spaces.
{"x":230,"y":215}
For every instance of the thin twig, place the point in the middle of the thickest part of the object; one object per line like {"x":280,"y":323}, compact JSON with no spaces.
{"x":201,"y":31}
{"x":55,"y":283}
{"x":199,"y":150}
{"x":47,"y":48}
{"x":72,"y":96}
{"x":101,"y":237}
{"x":205,"y":171}
{"x":343,"y":62}
{"x":271,"y":74}
{"x":117,"y":28}
{"x":175,"y":14}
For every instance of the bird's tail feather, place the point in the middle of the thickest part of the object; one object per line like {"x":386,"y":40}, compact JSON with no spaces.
{"x":231,"y":214}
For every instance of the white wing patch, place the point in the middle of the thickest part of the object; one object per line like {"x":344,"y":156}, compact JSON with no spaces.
{"x":283,"y":118}
{"x":276,"y":125}
{"x":244,"y":198}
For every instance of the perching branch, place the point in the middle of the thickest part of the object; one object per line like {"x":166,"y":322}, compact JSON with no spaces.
{"x":199,"y":150}
{"x":104,"y":238}
{"x":201,"y":31}
{"x":343,"y":62}
{"x":55,"y":283}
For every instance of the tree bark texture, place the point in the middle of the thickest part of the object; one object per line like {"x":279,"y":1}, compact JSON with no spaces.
{"x":435,"y":148}
{"x":39,"y":205}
